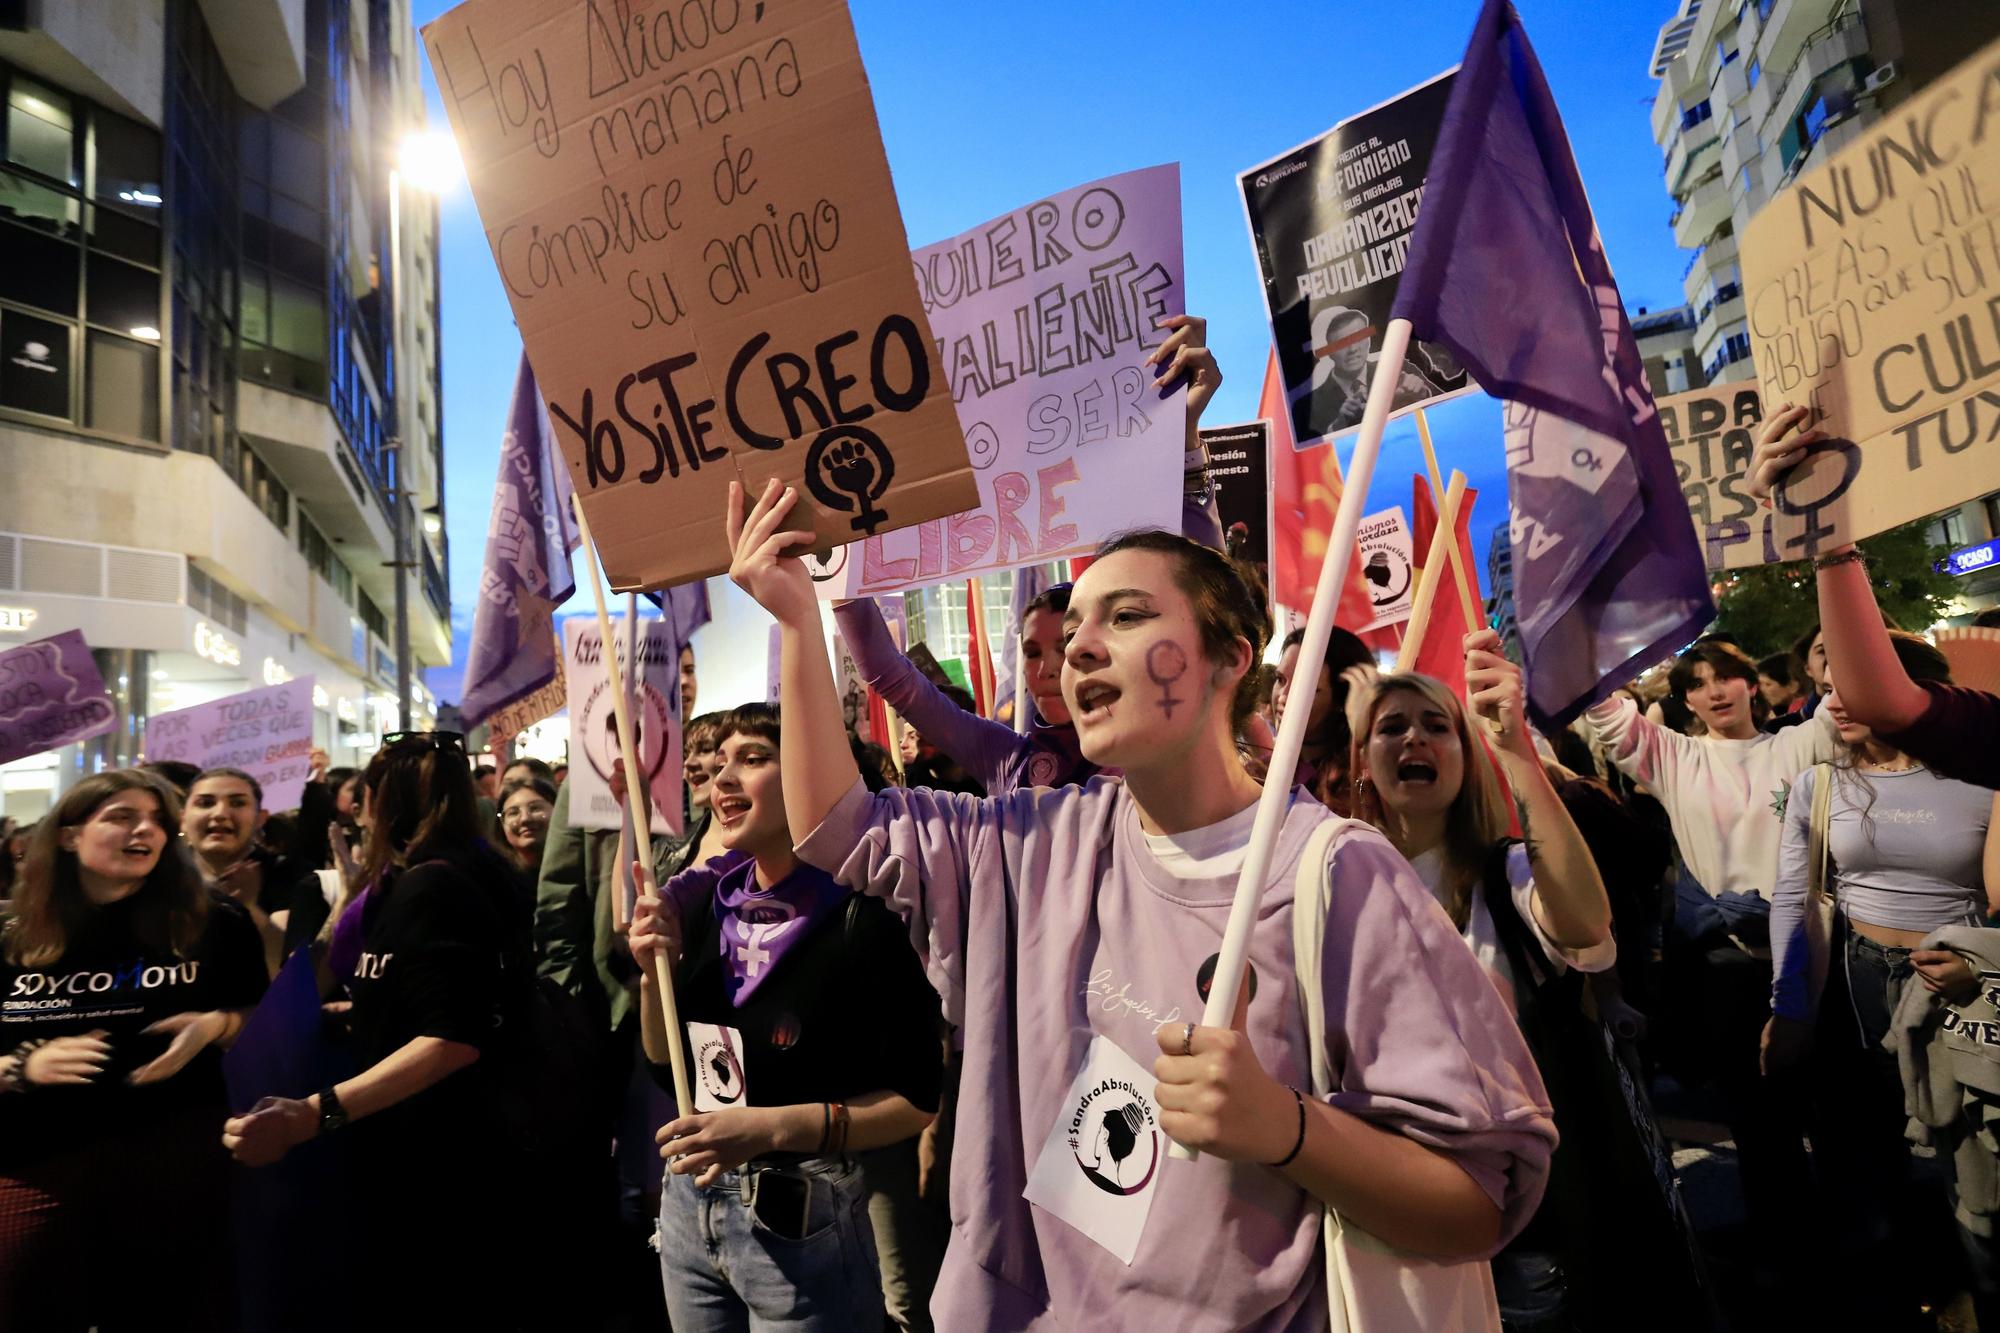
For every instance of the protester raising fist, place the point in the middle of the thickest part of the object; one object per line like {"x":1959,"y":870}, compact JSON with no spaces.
{"x":1954,"y":730}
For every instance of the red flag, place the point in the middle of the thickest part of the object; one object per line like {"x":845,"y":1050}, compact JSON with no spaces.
{"x":979,"y":652}
{"x":1305,"y":493}
{"x":1443,"y":651}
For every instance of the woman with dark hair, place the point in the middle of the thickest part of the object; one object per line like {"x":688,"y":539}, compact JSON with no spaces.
{"x":425,"y":954}
{"x":1908,"y":852}
{"x":1323,"y":758}
{"x":811,"y":1038}
{"x":124,"y":979}
{"x":525,"y":805}
{"x":992,"y":753}
{"x":1069,"y":930}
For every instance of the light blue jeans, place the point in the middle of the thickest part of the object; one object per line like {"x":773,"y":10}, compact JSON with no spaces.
{"x":726,"y":1272}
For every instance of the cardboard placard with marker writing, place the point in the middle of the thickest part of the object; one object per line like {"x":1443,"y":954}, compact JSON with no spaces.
{"x":1046,"y":315}
{"x":1713,"y":433}
{"x":1872,"y":288}
{"x":691,"y":210}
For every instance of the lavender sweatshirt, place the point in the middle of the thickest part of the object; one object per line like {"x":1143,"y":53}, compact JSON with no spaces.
{"x":1043,"y":919}
{"x":997,"y":758}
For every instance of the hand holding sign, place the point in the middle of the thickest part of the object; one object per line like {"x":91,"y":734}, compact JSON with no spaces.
{"x":1778,"y":451}
{"x":765,"y":555}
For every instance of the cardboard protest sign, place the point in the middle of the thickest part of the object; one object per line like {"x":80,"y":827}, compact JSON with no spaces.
{"x":1388,"y":557}
{"x":593,"y":721}
{"x":51,"y":695}
{"x":1713,"y":432}
{"x":1239,"y":468}
{"x":506,"y":723}
{"x":1046,"y":316}
{"x":1872,"y":286}
{"x":1332,"y":221}
{"x":691,"y":210}
{"x":267,"y":733}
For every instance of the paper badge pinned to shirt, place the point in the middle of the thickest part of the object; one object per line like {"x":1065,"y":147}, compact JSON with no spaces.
{"x":718,"y":1065}
{"x":1100,"y":1165}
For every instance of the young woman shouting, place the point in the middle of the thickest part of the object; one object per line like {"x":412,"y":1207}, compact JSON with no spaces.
{"x":1076,"y":1011}
{"x":810,"y":1037}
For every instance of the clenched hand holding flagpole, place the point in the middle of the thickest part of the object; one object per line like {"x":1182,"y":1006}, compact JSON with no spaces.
{"x":1220,"y":1006}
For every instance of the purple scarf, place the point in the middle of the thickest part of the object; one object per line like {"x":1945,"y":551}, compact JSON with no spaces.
{"x":756,"y":928}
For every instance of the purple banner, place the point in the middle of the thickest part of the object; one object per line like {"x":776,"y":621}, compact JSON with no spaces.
{"x":51,"y":695}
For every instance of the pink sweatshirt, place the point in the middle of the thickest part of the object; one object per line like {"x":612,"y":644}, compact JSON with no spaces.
{"x":1110,"y":943}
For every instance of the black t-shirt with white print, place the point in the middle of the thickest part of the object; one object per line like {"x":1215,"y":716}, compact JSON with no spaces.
{"x":432,"y":965}
{"x":121,"y":979}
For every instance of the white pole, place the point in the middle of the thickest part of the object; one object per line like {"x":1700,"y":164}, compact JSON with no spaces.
{"x":662,"y":974}
{"x":1220,"y":1006}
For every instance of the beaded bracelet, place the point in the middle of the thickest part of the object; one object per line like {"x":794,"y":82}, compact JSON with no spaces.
{"x":15,"y":1076}
{"x":1286,"y":1160}
{"x":1852,"y":556}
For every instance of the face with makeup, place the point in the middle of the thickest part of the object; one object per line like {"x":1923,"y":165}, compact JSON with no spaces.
{"x":748,"y":797}
{"x":1138,"y":686}
{"x":1041,"y":656}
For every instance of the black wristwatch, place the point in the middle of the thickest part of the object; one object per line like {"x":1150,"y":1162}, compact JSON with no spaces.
{"x":332,"y":1115}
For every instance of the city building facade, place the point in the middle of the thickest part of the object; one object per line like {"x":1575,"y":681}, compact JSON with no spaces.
{"x":218,"y":369}
{"x":1751,"y":93}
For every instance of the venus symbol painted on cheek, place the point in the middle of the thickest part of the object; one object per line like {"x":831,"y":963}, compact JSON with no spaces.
{"x":1167,"y":662}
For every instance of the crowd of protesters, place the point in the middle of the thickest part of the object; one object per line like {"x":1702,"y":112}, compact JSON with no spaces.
{"x":892,"y":957}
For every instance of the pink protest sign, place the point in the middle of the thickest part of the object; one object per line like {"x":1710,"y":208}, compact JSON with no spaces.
{"x":267,"y":733}
{"x":1045,"y":317}
{"x":50,"y":695}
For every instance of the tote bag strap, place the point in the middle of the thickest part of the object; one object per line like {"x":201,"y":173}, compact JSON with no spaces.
{"x":1370,"y":1287}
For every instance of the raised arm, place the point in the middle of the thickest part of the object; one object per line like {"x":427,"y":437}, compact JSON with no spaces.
{"x":1874,"y":688}
{"x":818,"y":766}
{"x":1570,"y":902}
{"x":984,"y":747}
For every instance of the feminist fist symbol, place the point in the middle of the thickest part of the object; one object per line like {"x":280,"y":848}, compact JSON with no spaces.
{"x":849,"y":468}
{"x":1166,"y":662}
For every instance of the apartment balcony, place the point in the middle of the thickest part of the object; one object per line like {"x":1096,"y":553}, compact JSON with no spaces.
{"x":263,"y":44}
{"x":1705,"y":208}
{"x":1726,"y":315}
{"x":1712,"y":267}
{"x":1694,"y":146}
{"x":299,"y":439}
{"x":1777,"y":99}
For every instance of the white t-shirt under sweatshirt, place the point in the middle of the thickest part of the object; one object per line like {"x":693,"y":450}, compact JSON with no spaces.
{"x":1726,"y":798}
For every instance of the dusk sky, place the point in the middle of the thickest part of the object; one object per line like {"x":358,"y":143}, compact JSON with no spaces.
{"x":985,"y":108}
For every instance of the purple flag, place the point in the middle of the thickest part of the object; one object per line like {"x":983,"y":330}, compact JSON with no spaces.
{"x":1506,"y":270}
{"x":528,"y":573}
{"x":50,"y":695}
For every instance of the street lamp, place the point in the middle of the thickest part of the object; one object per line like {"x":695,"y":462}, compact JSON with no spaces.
{"x":426,"y":162}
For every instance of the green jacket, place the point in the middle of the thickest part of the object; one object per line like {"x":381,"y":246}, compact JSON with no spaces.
{"x":575,"y":942}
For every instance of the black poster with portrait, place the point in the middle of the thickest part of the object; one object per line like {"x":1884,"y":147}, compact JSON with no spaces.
{"x":1332,"y":221}
{"x":1239,"y":468}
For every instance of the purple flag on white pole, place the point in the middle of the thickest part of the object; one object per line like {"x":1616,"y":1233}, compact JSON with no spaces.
{"x":527,"y":573}
{"x":1506,"y":270}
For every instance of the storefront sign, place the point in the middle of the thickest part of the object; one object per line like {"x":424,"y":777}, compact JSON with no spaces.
{"x":1972,"y":559}
{"x":16,"y":619}
{"x":210,"y":644}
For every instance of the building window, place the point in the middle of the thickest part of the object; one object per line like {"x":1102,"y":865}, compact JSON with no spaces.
{"x":1696,"y":114}
{"x":1752,"y":73}
{"x":80,"y":283}
{"x":372,"y":617}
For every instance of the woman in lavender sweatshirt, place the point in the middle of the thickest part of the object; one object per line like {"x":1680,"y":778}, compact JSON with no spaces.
{"x":1078,"y":924}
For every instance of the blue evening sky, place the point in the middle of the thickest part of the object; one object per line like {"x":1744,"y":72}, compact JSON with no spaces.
{"x":985,"y":107}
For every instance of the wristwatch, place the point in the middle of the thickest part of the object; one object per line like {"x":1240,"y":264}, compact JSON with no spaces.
{"x":332,"y":1115}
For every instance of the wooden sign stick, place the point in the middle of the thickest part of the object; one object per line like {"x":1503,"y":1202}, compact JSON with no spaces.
{"x":1445,"y":537}
{"x":641,"y":826}
{"x":1467,"y":603}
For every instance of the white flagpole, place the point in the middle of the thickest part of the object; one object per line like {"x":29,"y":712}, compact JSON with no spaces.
{"x":1220,"y":1006}
{"x":663,"y":976}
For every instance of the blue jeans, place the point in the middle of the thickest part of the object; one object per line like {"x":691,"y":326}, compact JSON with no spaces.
{"x":726,"y":1272}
